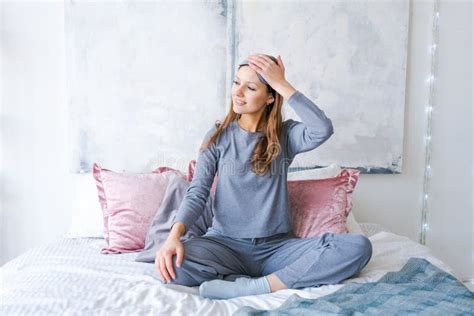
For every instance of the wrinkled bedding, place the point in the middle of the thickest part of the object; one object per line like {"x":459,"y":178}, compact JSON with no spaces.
{"x":70,"y":276}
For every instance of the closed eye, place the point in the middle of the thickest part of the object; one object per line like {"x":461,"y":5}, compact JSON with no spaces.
{"x":248,"y":87}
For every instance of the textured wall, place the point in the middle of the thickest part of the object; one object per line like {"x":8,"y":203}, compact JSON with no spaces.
{"x":147,"y":79}
{"x":349,"y":57}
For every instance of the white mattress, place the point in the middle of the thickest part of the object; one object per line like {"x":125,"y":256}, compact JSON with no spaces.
{"x":71,"y":277}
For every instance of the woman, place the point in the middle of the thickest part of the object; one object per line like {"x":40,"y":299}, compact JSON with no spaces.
{"x":250,"y":248}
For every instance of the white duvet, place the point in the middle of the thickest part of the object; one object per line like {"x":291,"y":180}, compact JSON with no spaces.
{"x":71,"y":277}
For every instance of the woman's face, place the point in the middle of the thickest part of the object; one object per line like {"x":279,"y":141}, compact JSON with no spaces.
{"x":249,"y":94}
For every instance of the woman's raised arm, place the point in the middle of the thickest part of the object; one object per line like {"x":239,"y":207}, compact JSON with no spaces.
{"x":313,"y":130}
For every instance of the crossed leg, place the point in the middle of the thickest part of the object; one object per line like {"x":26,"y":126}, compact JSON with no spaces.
{"x":297,"y":262}
{"x":208,"y":258}
{"x":327,"y":259}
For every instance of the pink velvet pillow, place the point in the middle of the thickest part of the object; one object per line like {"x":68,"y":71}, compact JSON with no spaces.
{"x":322,"y":205}
{"x":129,"y":202}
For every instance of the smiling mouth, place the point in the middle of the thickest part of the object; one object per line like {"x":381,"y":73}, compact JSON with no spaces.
{"x":239,"y":103}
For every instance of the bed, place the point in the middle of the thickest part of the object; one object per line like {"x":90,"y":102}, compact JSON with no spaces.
{"x":71,"y":277}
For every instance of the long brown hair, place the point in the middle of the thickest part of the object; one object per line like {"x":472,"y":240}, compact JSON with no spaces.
{"x":268,"y":146}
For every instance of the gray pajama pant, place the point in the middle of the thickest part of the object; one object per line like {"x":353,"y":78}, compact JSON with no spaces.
{"x":298,"y":262}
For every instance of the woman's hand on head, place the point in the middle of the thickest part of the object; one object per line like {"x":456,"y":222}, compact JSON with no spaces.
{"x":273,"y":73}
{"x":164,"y":258}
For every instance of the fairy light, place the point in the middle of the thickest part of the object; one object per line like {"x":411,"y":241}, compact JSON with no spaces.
{"x":431,"y":80}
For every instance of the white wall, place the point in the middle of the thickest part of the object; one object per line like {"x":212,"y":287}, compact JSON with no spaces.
{"x":37,"y":189}
{"x":450,"y":213}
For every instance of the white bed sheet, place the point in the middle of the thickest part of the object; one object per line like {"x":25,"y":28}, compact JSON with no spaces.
{"x":71,"y":277}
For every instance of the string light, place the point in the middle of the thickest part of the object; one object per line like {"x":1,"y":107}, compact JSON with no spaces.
{"x":429,"y":110}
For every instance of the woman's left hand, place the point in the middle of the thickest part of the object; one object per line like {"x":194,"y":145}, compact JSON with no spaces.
{"x":272,"y":72}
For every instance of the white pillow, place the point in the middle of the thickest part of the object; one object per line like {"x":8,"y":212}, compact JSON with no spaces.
{"x":87,"y":220}
{"x":311,"y":174}
{"x":352,"y":224}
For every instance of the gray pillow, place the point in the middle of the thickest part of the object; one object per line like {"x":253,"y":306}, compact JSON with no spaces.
{"x":160,"y":226}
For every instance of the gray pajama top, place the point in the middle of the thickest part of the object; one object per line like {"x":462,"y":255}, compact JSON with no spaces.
{"x":247,"y":205}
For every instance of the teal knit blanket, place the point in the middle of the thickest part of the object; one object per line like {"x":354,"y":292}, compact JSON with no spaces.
{"x":419,"y":288}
